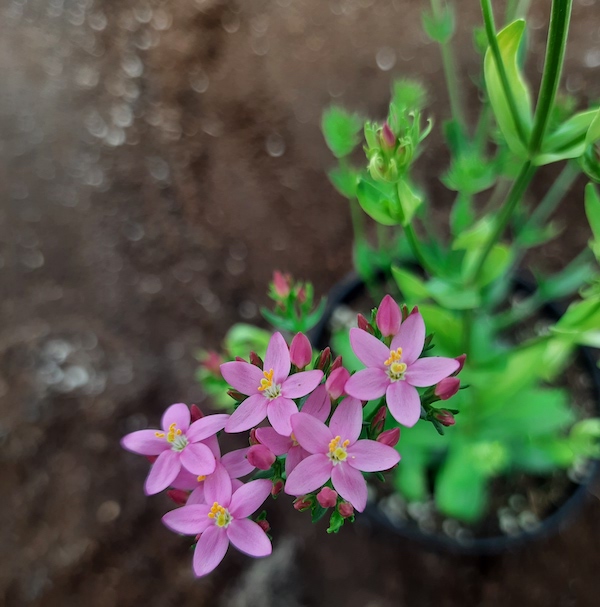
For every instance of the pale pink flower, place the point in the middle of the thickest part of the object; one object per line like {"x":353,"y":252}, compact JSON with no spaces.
{"x":337,"y":454}
{"x":300,"y":351}
{"x":270,"y":392}
{"x":223,"y":519}
{"x":179,"y":444}
{"x":388,"y":317}
{"x":397,"y":371}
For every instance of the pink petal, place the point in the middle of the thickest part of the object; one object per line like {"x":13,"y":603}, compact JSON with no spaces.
{"x":177,"y":414}
{"x":388,"y":316}
{"x":197,"y":495}
{"x":236,"y":464}
{"x":249,"y":498}
{"x":410,"y":338}
{"x":250,"y":413}
{"x":278,"y":358}
{"x":217,"y":487}
{"x":404,"y":403}
{"x":144,"y":442}
{"x":294,"y":456}
{"x":279,"y":412}
{"x":206,"y":427}
{"x":370,"y":351}
{"x":429,"y":371}
{"x":368,"y":384}
{"x":346,"y":421}
{"x":271,"y":439}
{"x":350,"y":484}
{"x":212,"y":442}
{"x":300,"y":384}
{"x":310,"y":474}
{"x":198,"y":459}
{"x":210,"y":550}
{"x":185,"y":480}
{"x":311,"y":434}
{"x":236,"y":483}
{"x":318,"y":404}
{"x":189,"y":520}
{"x":243,"y":376}
{"x":371,"y":456}
{"x":163,"y":472}
{"x":249,"y":538}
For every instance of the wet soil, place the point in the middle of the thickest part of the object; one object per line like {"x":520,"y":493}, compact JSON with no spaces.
{"x":158,"y":161}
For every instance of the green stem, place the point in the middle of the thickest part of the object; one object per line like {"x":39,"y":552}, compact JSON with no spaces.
{"x":490,"y":29}
{"x":357,"y":220}
{"x":513,"y":198}
{"x":555,"y":54}
{"x":483,"y":126}
{"x":414,"y":245}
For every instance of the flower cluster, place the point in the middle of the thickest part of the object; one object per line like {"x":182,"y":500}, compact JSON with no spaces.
{"x":319,"y":440}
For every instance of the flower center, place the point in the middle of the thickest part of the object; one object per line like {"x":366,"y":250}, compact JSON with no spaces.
{"x":396,"y":368}
{"x":294,"y":440}
{"x":270,"y":389}
{"x":175,"y":436}
{"x":220,"y":515}
{"x":337,"y":452}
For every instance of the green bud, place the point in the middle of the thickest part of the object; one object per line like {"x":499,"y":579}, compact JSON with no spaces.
{"x":439,"y":25}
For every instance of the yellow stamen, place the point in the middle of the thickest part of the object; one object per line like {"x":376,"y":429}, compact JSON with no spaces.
{"x":220,"y":515}
{"x":267,"y":381}
{"x":201,"y":478}
{"x":173,"y":432}
{"x":159,"y":434}
{"x":395,"y":356}
{"x":336,"y":451}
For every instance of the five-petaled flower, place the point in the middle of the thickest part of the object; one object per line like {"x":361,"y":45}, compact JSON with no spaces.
{"x":179,"y":444}
{"x":270,"y":392}
{"x":337,"y":454}
{"x":397,"y":371}
{"x":223,"y":519}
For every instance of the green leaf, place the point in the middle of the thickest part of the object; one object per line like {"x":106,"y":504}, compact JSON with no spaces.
{"x":410,"y":200}
{"x":509,"y":41}
{"x":336,"y":522}
{"x":279,"y":322}
{"x":593,"y":133}
{"x":412,"y":287}
{"x":476,"y":236}
{"x":439,"y":27}
{"x":318,"y":512}
{"x":469,"y":173}
{"x":453,"y":296}
{"x":542,"y":455}
{"x":447,"y":327}
{"x":340,"y":129}
{"x":592,"y":210}
{"x":462,"y":214}
{"x":345,"y":180}
{"x":242,"y":339}
{"x":410,"y":479}
{"x":496,"y":264}
{"x":375,"y":198}
{"x":565,"y":282}
{"x":340,"y":344}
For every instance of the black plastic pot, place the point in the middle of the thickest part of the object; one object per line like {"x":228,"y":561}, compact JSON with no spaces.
{"x":349,"y":290}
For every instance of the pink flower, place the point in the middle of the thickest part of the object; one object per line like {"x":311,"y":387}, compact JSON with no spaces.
{"x":282,"y":284}
{"x":270,"y":392}
{"x":327,"y":497}
{"x":336,"y":382}
{"x":224,"y":520}
{"x":178,"y":444}
{"x":337,"y":454}
{"x":395,"y":372}
{"x":447,"y":388}
{"x":319,"y":406}
{"x":388,"y":317}
{"x":261,"y":457}
{"x":300,"y":351}
{"x":389,"y":437}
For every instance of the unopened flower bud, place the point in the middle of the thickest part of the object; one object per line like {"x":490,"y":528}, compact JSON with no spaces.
{"x":378,"y":421}
{"x":336,"y":364}
{"x":415,"y":310}
{"x":277,"y":487}
{"x":364,"y":324}
{"x":324,"y":359}
{"x":388,"y":317}
{"x":301,"y":294}
{"x":346,"y":509}
{"x":447,"y":388}
{"x":195,"y":413}
{"x":300,"y":351}
{"x":212,"y":362}
{"x":404,"y":312}
{"x":238,"y":396}
{"x":303,"y":503}
{"x":336,"y":382}
{"x":256,"y":360}
{"x":178,"y":496}
{"x":388,"y":139}
{"x":151,"y":458}
{"x":444,"y":417}
{"x":389,"y":437}
{"x":461,"y":362}
{"x":264,"y":525}
{"x":239,"y":359}
{"x":282,"y":284}
{"x":260,"y":457}
{"x":327,"y":497}
{"x":252,"y":439}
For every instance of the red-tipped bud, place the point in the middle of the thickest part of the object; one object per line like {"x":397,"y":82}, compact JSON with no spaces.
{"x":282,"y":284}
{"x":447,"y":388}
{"x":404,"y":312}
{"x":388,"y":317}
{"x":303,"y":503}
{"x":327,"y":497}
{"x":236,"y":395}
{"x":415,"y":310}
{"x":300,"y":351}
{"x":277,"y":488}
{"x":388,"y":139}
{"x":378,"y":421}
{"x":336,"y":382}
{"x":256,"y":360}
{"x":212,"y":362}
{"x":260,"y":457}
{"x":324,"y":359}
{"x":363,"y":324}
{"x":239,"y":359}
{"x":195,"y":413}
{"x":336,"y":364}
{"x":346,"y":509}
{"x":389,"y":437}
{"x":178,"y":496}
{"x":252,"y":438}
{"x":444,"y":417}
{"x":461,"y":363}
{"x":151,"y":458}
{"x":264,"y":525}
{"x":301,"y":294}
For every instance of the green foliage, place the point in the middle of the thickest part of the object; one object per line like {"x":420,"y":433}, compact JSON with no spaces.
{"x":439,"y":25}
{"x":341,"y":129}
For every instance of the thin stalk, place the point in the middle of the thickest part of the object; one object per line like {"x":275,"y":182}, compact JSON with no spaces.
{"x":483,"y":126}
{"x":357,"y":221}
{"x":555,"y":55}
{"x":414,"y":245}
{"x":511,"y":11}
{"x":490,"y":29}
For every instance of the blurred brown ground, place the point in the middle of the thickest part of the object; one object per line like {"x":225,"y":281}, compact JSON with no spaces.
{"x":159,"y":160}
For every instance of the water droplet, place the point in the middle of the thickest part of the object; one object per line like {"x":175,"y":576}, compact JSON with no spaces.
{"x":592,"y":58}
{"x":132,"y":65}
{"x":386,"y":58}
{"x":275,"y":145}
{"x":115,"y":137}
{"x":199,"y":80}
{"x":122,"y":115}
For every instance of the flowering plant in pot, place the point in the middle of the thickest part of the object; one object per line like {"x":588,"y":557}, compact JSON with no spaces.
{"x":448,"y":355}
